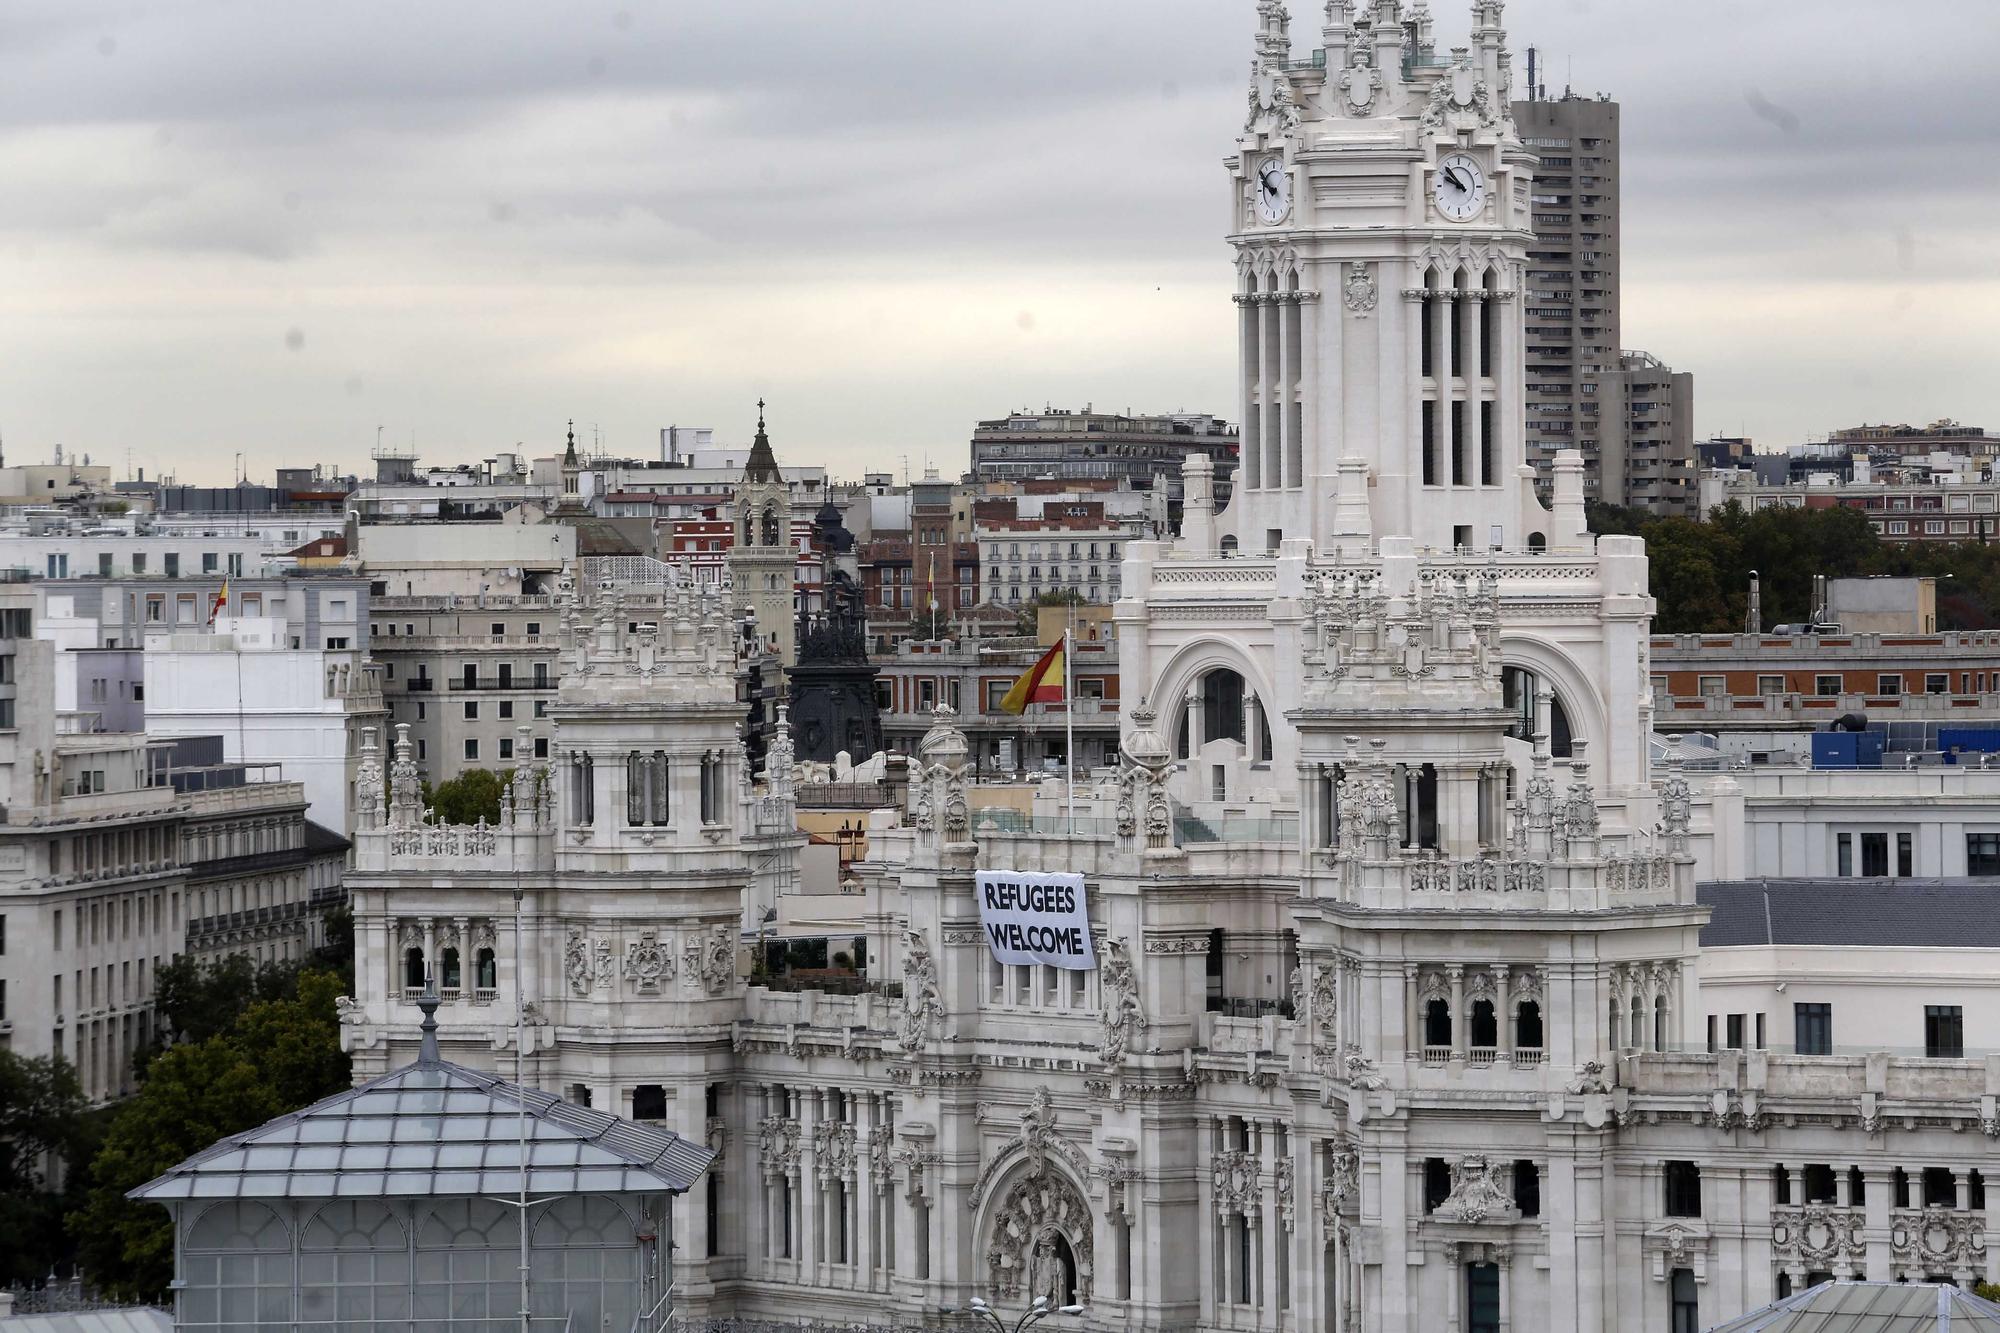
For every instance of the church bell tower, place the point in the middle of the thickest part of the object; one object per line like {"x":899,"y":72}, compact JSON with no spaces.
{"x":763,"y":563}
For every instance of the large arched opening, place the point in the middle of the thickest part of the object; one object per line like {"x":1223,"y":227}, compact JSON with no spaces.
{"x":1039,"y":1237}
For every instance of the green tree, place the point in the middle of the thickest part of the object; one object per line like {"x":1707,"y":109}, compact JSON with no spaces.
{"x":42,"y":1133}
{"x":468,"y":798}
{"x":1690,"y":576}
{"x":280,"y":1054}
{"x":196,"y":1000}
{"x":193,"y":1095}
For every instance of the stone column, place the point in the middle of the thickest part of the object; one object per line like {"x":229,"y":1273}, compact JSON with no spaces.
{"x":1503,"y":1259}
{"x":1412,"y":1014}
{"x":1475,"y":439}
{"x":756,"y":1245}
{"x":806,"y":1203}
{"x":1264,"y":1136}
{"x":1441,"y":362}
{"x":1456,"y":973}
{"x":1247,"y":326}
{"x":1282,"y":383}
{"x":1308,"y":395}
{"x":1194,"y":718}
{"x":1271,"y":331}
{"x":432,"y":975}
{"x":1504,"y":1015}
{"x":865,"y":1244}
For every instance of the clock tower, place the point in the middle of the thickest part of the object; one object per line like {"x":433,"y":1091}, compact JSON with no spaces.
{"x":1381,"y":215}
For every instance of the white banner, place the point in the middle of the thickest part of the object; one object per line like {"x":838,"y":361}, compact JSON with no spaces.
{"x":1036,"y":919}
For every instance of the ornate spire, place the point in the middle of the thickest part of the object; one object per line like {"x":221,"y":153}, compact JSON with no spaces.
{"x":1274,"y":33}
{"x":569,"y":453}
{"x":763,"y":464}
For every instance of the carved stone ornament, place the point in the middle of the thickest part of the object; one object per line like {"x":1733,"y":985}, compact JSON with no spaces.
{"x":1360,"y":81}
{"x":922,"y":1002}
{"x":576,"y":962}
{"x":1121,"y":1015}
{"x":833,"y":1150}
{"x":778,"y":1146}
{"x":1360,"y":289}
{"x":1476,"y":1195}
{"x":605,"y":969}
{"x":1023,"y":1260}
{"x":1817,"y":1235}
{"x":710,"y":960}
{"x":647,"y":963}
{"x":1237,"y":1187}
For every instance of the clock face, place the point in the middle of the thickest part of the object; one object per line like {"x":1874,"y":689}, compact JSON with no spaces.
{"x":1459,"y":188}
{"x":1274,"y":190}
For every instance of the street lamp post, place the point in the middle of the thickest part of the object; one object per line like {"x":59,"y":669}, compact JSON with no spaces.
{"x":1040,"y":1310}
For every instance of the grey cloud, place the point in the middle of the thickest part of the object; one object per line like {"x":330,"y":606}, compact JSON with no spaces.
{"x":489,"y":167}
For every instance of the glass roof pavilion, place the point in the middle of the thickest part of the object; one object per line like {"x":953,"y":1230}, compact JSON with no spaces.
{"x":1872,"y":1307}
{"x":398,"y":1202}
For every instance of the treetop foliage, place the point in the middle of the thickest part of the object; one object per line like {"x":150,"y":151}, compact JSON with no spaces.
{"x":1701,"y":570}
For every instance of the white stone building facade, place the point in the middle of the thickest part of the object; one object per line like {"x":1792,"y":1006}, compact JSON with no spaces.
{"x":1416,"y":1052}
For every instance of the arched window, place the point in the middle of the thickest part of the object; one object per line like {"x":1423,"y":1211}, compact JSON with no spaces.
{"x":451,"y":971}
{"x":1484,"y":1031}
{"x":771,"y":525}
{"x":485,"y":971}
{"x":1538,"y":541}
{"x":1660,"y":1023}
{"x":1611,"y":1035}
{"x":1635,"y":1036}
{"x":413,"y":968}
{"x":1437,"y":1023}
{"x":1528,"y":1025}
{"x":1518,"y":687}
{"x":1229,"y":545}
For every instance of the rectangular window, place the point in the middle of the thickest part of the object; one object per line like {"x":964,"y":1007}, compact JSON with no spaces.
{"x":1844,"y":855}
{"x":1874,"y":856}
{"x":1944,"y":1031}
{"x":1714,"y":687}
{"x":1734,"y":1029}
{"x":1905,"y":854}
{"x":1889,"y":684}
{"x":1812,"y":1029}
{"x":1686,"y":1303}
{"x":472,"y":712}
{"x":1682,"y":1181}
{"x":1482,"y":1298}
{"x":1982,"y":854}
{"x":1770,"y":685}
{"x":1828,"y":687}
{"x":472,"y":749}
{"x":1937,"y":682}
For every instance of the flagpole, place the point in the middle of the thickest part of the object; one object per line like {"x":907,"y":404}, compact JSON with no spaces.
{"x":1069,"y":720}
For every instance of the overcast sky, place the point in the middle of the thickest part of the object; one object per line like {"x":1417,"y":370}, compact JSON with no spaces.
{"x":273,"y":226}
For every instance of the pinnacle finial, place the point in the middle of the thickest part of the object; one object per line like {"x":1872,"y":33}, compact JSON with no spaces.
{"x":427,"y":1051}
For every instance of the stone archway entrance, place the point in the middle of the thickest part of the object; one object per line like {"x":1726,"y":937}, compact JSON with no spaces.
{"x":1041,"y":1240}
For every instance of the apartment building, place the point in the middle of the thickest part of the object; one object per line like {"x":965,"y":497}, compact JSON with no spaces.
{"x":1069,"y":548}
{"x":118,"y":853}
{"x":1135,"y":452}
{"x":466,"y":675}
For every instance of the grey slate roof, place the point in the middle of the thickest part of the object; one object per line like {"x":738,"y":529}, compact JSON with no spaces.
{"x":1887,"y":913}
{"x":132,"y":1319}
{"x":436,"y":1128}
{"x":1872,"y":1307}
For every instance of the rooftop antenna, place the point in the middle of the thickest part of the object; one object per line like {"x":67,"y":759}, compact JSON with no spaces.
{"x":1533,"y":55}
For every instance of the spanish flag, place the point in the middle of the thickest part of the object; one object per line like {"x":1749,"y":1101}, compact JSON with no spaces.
{"x":1042,"y":683}
{"x":221,"y":600}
